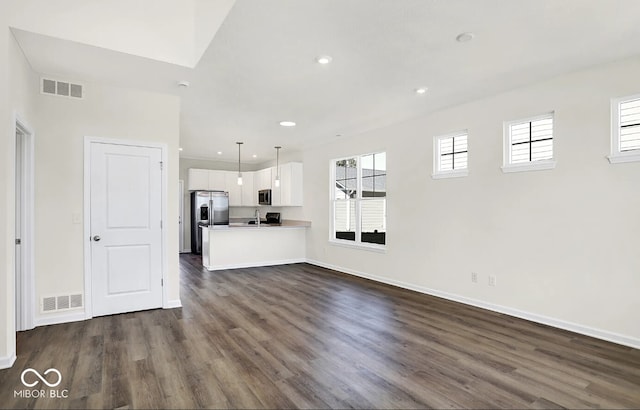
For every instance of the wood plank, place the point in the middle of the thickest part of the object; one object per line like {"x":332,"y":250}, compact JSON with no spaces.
{"x":300,"y":336}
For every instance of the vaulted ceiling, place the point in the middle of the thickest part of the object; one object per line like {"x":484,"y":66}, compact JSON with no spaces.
{"x":252,"y":63}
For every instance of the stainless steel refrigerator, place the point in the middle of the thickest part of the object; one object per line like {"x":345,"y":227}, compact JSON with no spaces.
{"x":207,"y":208}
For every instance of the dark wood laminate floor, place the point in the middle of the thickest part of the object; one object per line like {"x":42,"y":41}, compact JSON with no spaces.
{"x":302,"y":336}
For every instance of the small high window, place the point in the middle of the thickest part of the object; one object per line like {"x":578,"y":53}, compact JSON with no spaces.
{"x":625,"y":129}
{"x":528,"y":144}
{"x":450,"y":155}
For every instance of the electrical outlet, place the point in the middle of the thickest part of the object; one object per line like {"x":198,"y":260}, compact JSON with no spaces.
{"x":474,"y":277}
{"x":492,"y":280}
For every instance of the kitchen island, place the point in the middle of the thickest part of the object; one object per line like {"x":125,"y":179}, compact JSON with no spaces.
{"x":241,"y":245}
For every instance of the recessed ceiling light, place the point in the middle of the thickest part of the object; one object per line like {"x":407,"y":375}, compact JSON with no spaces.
{"x":255,"y":155}
{"x":464,"y":37}
{"x":219,"y":152}
{"x":421,"y":90}
{"x":287,"y":123}
{"x":324,"y":59}
{"x":180,"y":149}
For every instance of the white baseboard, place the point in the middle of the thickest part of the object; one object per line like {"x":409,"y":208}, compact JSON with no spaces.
{"x":185,"y":251}
{"x":55,"y":319}
{"x":255,"y":264}
{"x":172,"y":304}
{"x":7,"y":361}
{"x":533,"y":317}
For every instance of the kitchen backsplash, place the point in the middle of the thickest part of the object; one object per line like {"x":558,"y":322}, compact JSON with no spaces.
{"x":249,"y":212}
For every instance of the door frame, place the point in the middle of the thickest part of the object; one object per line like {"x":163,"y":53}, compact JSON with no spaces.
{"x":88,"y":140}
{"x":181,"y":216}
{"x":25,"y":298}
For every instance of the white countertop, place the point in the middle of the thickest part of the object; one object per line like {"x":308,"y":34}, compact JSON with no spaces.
{"x":286,"y":223}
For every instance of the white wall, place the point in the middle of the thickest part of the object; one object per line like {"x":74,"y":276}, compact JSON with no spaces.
{"x":106,"y":112}
{"x":563,"y":244}
{"x":18,"y":97}
{"x":7,"y":326}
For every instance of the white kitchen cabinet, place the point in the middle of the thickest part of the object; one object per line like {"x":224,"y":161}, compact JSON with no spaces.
{"x":290,"y":192}
{"x":276,"y":190}
{"x":217,"y":180}
{"x":249,"y":193}
{"x":206,"y":180}
{"x":241,"y":195}
{"x":262,"y":180}
{"x":235,"y":190}
{"x":198,"y":179}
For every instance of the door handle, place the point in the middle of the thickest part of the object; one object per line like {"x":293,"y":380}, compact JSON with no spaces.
{"x":96,"y":238}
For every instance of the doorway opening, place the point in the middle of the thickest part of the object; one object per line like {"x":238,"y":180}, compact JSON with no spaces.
{"x":24,"y":211}
{"x":181,"y":216}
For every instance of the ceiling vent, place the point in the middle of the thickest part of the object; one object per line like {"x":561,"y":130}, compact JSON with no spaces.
{"x":61,"y":88}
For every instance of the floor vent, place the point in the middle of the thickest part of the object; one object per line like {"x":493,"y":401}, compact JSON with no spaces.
{"x":63,"y":302}
{"x":61,"y":88}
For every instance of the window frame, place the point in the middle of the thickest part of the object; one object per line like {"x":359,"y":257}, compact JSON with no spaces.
{"x":357,"y":243}
{"x":616,"y":156}
{"x":455,"y":173}
{"x":539,"y":165}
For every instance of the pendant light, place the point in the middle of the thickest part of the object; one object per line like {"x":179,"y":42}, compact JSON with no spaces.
{"x":277,"y":181}
{"x":239,"y":172}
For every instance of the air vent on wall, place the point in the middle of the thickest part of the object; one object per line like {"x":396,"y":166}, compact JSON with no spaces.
{"x":63,"y":302}
{"x":61,"y":88}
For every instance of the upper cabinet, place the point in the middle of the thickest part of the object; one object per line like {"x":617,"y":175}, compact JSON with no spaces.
{"x":262,"y":179}
{"x":217,"y":180}
{"x":235,"y":190}
{"x":206,"y":180}
{"x":198,"y":179}
{"x":249,"y":193}
{"x":290,"y":191}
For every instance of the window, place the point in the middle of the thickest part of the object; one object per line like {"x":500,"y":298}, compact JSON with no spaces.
{"x":359,"y":200}
{"x":528,"y":144}
{"x":450,"y":155}
{"x":625,"y":129}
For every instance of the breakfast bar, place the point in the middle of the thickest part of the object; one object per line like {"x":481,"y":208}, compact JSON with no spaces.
{"x":243,"y":245}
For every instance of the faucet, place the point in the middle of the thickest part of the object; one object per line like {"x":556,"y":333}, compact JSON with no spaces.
{"x":257,"y":215}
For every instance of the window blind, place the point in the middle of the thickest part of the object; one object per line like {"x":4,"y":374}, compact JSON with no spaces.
{"x":630,"y":125}
{"x":531,"y":140}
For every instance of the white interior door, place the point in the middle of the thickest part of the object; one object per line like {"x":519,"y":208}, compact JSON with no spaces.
{"x":126,"y":228}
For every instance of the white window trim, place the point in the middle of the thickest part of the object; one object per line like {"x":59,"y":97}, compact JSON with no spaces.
{"x":357,"y":244}
{"x":616,"y":156}
{"x":451,"y":174}
{"x":456,"y":173}
{"x":541,"y":165}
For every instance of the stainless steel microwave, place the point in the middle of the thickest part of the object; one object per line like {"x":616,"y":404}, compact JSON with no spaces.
{"x":264,"y":197}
